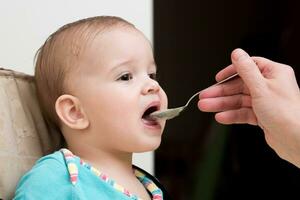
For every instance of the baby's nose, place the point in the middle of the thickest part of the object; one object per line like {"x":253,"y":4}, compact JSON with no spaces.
{"x":151,"y":86}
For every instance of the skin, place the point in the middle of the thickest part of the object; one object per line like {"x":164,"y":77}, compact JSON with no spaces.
{"x":266,"y":95}
{"x":102,"y":114}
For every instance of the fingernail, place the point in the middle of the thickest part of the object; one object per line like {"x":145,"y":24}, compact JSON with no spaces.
{"x":239,"y":54}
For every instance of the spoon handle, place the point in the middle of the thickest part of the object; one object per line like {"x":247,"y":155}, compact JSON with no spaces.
{"x":226,"y":79}
{"x":173,"y":112}
{"x":218,"y":83}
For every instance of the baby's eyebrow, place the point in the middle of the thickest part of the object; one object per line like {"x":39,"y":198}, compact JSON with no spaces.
{"x":125,"y":62}
{"x":120,"y":64}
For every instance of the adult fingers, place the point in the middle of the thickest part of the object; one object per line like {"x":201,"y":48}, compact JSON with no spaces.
{"x":225,"y":103}
{"x":239,"y":116}
{"x":232,"y":87}
{"x":226,"y":72}
{"x":263,"y":64}
{"x":248,"y":71}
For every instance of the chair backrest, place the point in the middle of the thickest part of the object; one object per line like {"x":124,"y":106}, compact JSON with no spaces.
{"x":24,"y":135}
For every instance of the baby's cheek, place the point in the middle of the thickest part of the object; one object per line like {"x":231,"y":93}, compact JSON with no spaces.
{"x":126,"y":108}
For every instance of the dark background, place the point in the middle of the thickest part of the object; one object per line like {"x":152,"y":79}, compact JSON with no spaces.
{"x":198,"y":158}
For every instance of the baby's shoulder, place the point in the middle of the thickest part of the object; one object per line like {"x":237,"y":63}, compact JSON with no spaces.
{"x":49,"y":164}
{"x":48,"y":175}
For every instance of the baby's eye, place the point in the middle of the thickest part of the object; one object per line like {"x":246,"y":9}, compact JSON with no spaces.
{"x":125,"y":77}
{"x":153,"y":76}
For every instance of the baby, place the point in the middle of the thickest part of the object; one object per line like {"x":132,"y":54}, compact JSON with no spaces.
{"x":96,"y":82}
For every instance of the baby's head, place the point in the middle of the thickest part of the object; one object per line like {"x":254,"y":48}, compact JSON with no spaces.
{"x":96,"y":81}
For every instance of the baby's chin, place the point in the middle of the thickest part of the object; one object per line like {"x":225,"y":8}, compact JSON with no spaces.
{"x":147,"y":147}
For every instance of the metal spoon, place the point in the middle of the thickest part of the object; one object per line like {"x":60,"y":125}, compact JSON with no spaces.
{"x":173,"y":112}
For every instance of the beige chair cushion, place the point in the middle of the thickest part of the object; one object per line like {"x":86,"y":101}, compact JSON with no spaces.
{"x":24,"y":135}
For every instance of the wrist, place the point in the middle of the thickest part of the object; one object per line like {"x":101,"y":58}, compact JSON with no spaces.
{"x":292,"y":136}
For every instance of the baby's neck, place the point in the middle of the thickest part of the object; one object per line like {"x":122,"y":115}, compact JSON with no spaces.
{"x":113,"y":164}
{"x":116,"y":165}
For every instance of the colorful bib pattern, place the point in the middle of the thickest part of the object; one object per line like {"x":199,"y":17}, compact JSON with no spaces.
{"x":147,"y":182}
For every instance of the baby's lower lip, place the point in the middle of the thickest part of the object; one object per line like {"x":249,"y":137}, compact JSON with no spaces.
{"x":151,"y":123}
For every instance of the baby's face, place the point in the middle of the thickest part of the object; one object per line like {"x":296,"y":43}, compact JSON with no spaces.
{"x":116,"y":86}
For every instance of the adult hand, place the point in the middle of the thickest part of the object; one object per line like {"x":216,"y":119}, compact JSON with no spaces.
{"x":266,"y":94}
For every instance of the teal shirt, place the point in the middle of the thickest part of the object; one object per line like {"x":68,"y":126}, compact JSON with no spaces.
{"x":50,"y":179}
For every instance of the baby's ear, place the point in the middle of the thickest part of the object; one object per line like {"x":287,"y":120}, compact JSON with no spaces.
{"x":70,"y":111}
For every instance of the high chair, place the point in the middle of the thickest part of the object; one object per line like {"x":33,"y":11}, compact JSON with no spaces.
{"x":24,"y":134}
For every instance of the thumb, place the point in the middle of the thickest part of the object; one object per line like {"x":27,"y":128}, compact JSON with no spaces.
{"x":248,"y":71}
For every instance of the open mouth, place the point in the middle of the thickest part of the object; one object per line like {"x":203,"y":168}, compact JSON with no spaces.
{"x":146,"y":116}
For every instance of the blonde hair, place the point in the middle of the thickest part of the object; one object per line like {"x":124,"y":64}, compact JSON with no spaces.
{"x":60,"y":53}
